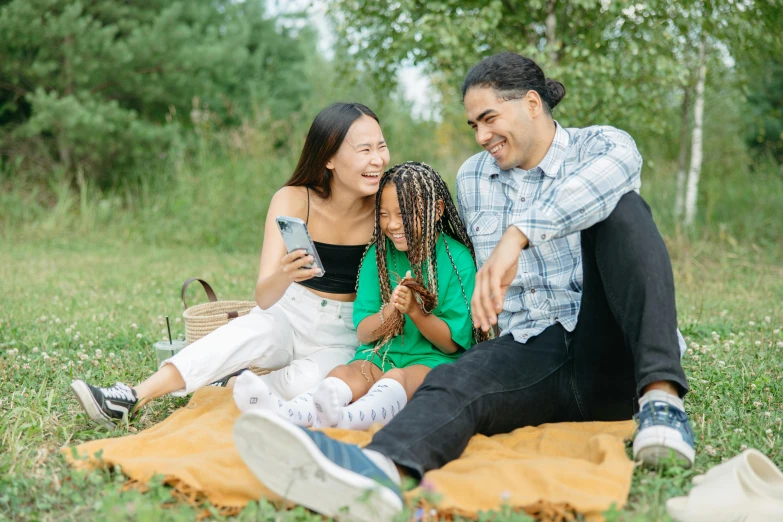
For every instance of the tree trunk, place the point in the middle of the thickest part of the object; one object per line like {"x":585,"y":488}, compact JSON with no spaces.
{"x":682,"y":159}
{"x":692,"y":193}
{"x":551,"y":31}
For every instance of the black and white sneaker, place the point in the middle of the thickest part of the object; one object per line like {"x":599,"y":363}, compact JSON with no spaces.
{"x":106,"y":406}
{"x":222,"y":383}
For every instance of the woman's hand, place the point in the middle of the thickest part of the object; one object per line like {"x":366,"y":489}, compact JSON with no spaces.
{"x":291,"y":265}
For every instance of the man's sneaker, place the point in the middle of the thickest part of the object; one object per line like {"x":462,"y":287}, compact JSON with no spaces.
{"x":309,"y":468}
{"x":106,"y":406}
{"x":663,"y":431}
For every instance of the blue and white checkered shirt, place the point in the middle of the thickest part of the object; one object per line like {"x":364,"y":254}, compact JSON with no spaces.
{"x":577,"y":184}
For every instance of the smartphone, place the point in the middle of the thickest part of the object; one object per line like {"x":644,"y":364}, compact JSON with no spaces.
{"x":296,"y":237}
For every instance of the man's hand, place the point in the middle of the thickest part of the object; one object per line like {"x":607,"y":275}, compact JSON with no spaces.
{"x":494,"y":278}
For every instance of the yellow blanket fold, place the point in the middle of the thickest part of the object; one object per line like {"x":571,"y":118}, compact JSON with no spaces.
{"x":547,"y":470}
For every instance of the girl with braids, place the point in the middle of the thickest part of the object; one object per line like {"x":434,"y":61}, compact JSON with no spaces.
{"x":412,"y":309}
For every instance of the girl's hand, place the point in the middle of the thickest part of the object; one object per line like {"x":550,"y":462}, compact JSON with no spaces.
{"x":291,"y":266}
{"x":403,"y":300}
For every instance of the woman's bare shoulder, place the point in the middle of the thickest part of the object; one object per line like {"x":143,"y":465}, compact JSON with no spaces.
{"x":291,"y":201}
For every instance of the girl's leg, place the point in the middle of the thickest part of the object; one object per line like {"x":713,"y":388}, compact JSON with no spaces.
{"x":256,"y":392}
{"x":252,"y":393}
{"x":340,"y":387}
{"x":385,"y":399}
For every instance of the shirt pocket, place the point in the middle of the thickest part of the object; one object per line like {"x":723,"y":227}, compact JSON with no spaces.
{"x":483,"y":229}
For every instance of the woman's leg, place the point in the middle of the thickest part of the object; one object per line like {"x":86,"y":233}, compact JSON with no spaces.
{"x":384,"y":400}
{"x":166,"y":380}
{"x":262,"y":338}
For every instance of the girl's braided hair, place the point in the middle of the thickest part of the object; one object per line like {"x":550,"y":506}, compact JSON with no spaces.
{"x":419,"y":191}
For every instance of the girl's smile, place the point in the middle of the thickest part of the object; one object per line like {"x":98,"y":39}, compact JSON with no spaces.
{"x":391,"y":218}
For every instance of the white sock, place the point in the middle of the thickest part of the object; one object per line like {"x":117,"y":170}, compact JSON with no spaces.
{"x":660,"y":395}
{"x":251,"y":392}
{"x":386,"y":464}
{"x":330,"y":398}
{"x":384,"y":400}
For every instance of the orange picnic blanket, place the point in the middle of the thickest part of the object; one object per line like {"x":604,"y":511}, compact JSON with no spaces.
{"x":550,"y":470}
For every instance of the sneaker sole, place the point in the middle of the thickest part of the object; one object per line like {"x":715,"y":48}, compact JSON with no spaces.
{"x":90,"y":406}
{"x":656,"y":444}
{"x":289,"y":463}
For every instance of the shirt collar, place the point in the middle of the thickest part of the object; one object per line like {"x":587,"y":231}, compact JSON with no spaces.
{"x":550,"y":165}
{"x":554,"y":157}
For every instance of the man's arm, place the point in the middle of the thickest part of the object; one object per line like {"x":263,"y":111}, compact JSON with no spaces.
{"x":611,"y":167}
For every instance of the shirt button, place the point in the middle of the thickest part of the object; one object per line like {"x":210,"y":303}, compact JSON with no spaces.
{"x":581,"y":211}
{"x":323,"y":303}
{"x":532,"y":290}
{"x":543,"y":236}
{"x":522,"y":199}
{"x":477,"y":229}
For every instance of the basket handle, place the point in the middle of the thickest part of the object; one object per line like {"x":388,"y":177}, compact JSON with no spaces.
{"x":208,"y":289}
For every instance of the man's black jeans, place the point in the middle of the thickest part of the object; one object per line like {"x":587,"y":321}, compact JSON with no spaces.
{"x":625,"y":339}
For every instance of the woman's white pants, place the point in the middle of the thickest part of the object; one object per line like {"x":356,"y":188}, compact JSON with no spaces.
{"x":302,"y":338}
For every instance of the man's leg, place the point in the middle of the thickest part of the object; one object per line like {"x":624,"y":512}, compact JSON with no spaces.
{"x":625,"y":342}
{"x":496,"y":387}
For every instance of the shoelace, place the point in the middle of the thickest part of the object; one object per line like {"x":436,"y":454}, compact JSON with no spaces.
{"x":659,"y":410}
{"x":119,"y":391}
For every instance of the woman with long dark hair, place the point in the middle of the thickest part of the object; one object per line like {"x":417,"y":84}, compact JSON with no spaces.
{"x":303,"y":325}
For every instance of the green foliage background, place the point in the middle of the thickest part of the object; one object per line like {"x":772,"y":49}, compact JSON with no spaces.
{"x":173,"y":122}
{"x":140,"y":143}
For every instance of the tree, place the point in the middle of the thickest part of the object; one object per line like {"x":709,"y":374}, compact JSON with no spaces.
{"x":623,"y":63}
{"x":101,"y":86}
{"x":694,"y":172}
{"x":604,"y":52}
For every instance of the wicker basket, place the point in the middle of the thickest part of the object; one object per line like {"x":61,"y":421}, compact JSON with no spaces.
{"x":205,"y":318}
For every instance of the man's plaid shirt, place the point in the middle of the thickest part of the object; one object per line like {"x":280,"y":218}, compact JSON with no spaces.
{"x":577,"y":184}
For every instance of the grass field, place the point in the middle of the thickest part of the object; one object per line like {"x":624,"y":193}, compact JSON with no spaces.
{"x":77,"y":308}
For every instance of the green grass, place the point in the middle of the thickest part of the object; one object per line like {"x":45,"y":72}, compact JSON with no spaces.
{"x":64,"y":300}
{"x":82,"y":271}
